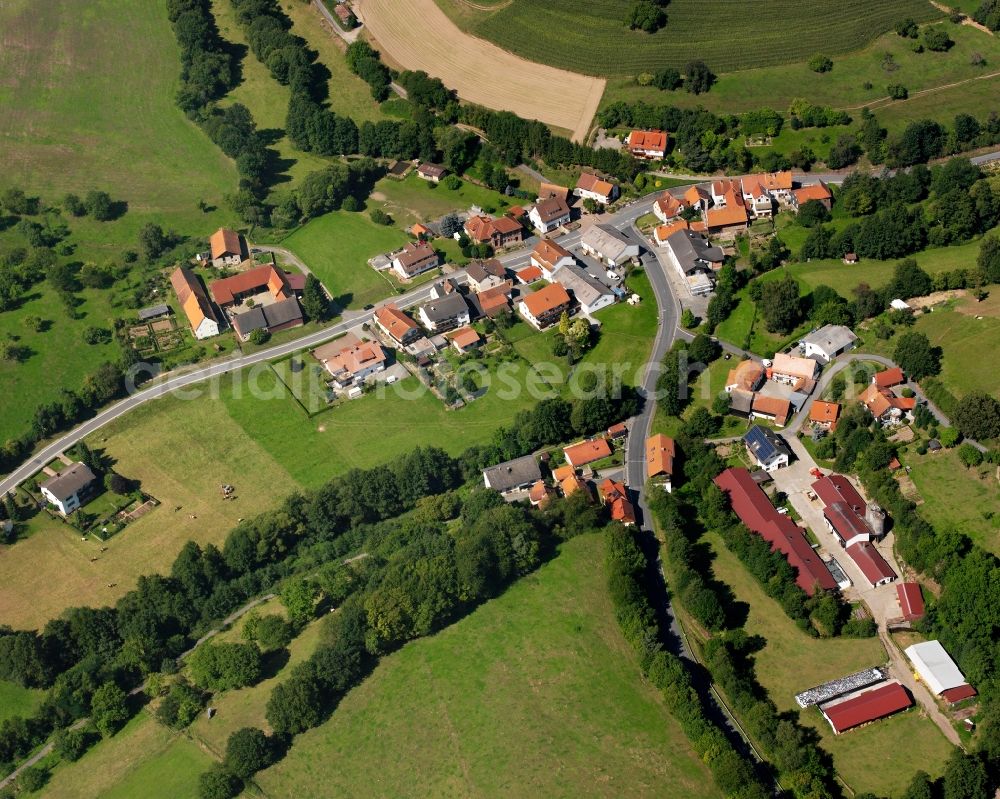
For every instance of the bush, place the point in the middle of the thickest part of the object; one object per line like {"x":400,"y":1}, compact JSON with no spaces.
{"x":948,"y":436}
{"x":220,"y":667}
{"x":260,"y":336}
{"x":970,"y":456}
{"x":667,"y":79}
{"x":248,"y":751}
{"x":71,"y":744}
{"x":452,"y":182}
{"x":32,"y":779}
{"x":937,"y":39}
{"x":907,"y":28}
{"x":218,"y":783}
{"x":820,"y":63}
{"x":380,"y":217}
{"x":896,"y":91}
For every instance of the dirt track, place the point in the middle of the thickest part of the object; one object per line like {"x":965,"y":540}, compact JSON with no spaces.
{"x":417,"y":35}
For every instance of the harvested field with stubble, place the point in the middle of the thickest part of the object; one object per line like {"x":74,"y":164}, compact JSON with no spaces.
{"x":416,"y":34}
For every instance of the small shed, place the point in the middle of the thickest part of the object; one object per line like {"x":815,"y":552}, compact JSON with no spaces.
{"x":153,"y":312}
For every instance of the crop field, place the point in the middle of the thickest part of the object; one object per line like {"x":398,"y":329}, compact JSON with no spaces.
{"x":595,"y":41}
{"x":537,"y":676}
{"x":416,"y":34}
{"x":792,"y":661}
{"x":143,"y":759}
{"x":80,"y":113}
{"x":957,"y":497}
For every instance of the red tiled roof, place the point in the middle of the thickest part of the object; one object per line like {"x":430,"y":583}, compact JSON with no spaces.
{"x":833,"y":488}
{"x":224,"y":291}
{"x":546,"y":190}
{"x":647,"y":140}
{"x":547,"y":252}
{"x":592,"y":183}
{"x":871,"y":562}
{"x":775,"y":407}
{"x":911,"y":602}
{"x":664,"y":232}
{"x":393,"y":320}
{"x":560,"y":473}
{"x":824,"y":412}
{"x":888,"y":378}
{"x":225,"y":242}
{"x":958,"y":693}
{"x":751,"y":504}
{"x":660,"y":454}
{"x":875,"y":703}
{"x":191,"y":296}
{"x":529,"y":274}
{"x":669,"y":205}
{"x":587,"y":451}
{"x":731,"y":214}
{"x":618,"y":430}
{"x":546,"y":299}
{"x":464,"y":337}
{"x":815,"y":191}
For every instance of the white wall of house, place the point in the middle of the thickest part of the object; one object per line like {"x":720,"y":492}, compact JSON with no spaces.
{"x":65,"y":507}
{"x":207,"y":329}
{"x":601,"y":302}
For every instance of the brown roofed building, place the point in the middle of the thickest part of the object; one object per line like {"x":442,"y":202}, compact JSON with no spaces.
{"x":499,"y":232}
{"x":545,"y":306}
{"x":549,"y":214}
{"x":660,"y":454}
{"x":615,"y":499}
{"x":528,"y":275}
{"x":546,"y":190}
{"x":911,"y":601}
{"x":773,"y":409}
{"x":869,"y":705}
{"x":549,"y":256}
{"x":647,"y":143}
{"x":194,"y":303}
{"x":431,"y":172}
{"x":263,"y":279}
{"x":352,"y":364}
{"x":464,"y":339}
{"x":589,"y":186}
{"x":540,"y":494}
{"x":888,"y":378}
{"x":815,"y":191}
{"x":228,"y":248}
{"x":667,"y":207}
{"x":728,"y":219}
{"x":414,"y":259}
{"x":745,"y":376}
{"x":485,"y":275}
{"x":397,"y":325}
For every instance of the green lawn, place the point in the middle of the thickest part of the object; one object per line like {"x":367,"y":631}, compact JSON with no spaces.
{"x":415,"y":200}
{"x":18,"y":701}
{"x":144,"y":759}
{"x":792,"y":661}
{"x":595,"y":40}
{"x":703,"y":391}
{"x":337,"y":247}
{"x":533,"y":694}
{"x":956,"y":497}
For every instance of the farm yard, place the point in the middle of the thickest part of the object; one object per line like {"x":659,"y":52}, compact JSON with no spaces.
{"x":541,"y":672}
{"x":416,"y":34}
{"x":595,"y":41}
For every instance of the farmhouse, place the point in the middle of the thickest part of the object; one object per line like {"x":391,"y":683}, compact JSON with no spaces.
{"x":445,"y":312}
{"x":871,"y":704}
{"x":499,"y":232}
{"x":545,"y":306}
{"x":591,"y":187}
{"x":350,"y":364}
{"x":67,"y":489}
{"x":609,"y":245}
{"x":228,"y":248}
{"x":757,"y":513}
{"x":795,"y":371}
{"x":647,"y":144}
{"x":549,"y":214}
{"x":414,"y":259}
{"x":886,"y":407}
{"x":746,"y":375}
{"x":546,"y":190}
{"x":510,"y":476}
{"x":485,"y":275}
{"x":690,"y":253}
{"x":667,"y":207}
{"x":615,"y":499}
{"x":549,"y":256}
{"x":493,"y":301}
{"x":194,"y":303}
{"x":766,"y":448}
{"x":585,"y":452}
{"x":660,"y":454}
{"x":772,"y":409}
{"x":911,"y":601}
{"x":814,"y":191}
{"x":272,"y":317}
{"x":824,"y":414}
{"x":590,"y":294}
{"x":397,"y":325}
{"x":935,"y":668}
{"x":431,"y":172}
{"x":263,"y":284}
{"x":828,"y":342}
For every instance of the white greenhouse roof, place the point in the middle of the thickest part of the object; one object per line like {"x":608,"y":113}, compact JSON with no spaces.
{"x":935,"y":666}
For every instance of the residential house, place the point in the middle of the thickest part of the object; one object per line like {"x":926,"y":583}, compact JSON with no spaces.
{"x":549,"y":257}
{"x":766,"y":448}
{"x":726,"y":191}
{"x":491,"y":302}
{"x":667,"y":207}
{"x":420,"y":231}
{"x":585,"y":452}
{"x":549,"y":214}
{"x":431,"y":172}
{"x":573,"y":484}
{"x":660,"y":454}
{"x":528,"y":275}
{"x":756,"y":197}
{"x":485,"y":274}
{"x":795,"y":371}
{"x":778,"y":184}
{"x":609,"y":245}
{"x":227,"y":247}
{"x":545,"y":306}
{"x":729,"y":219}
{"x":67,"y":489}
{"x":591,"y":187}
{"x":615,"y":499}
{"x":886,"y":407}
{"x":773,"y":409}
{"x":560,"y":473}
{"x":746,"y":375}
{"x":888,"y":378}
{"x":828,"y":342}
{"x":351,"y":362}
{"x":397,"y":325}
{"x":414,"y":259}
{"x":464,"y":340}
{"x":589,"y":293}
{"x":546,"y":190}
{"x":814,"y":191}
{"x":650,"y":144}
{"x":194,"y":303}
{"x":499,"y":232}
{"x":618,"y":432}
{"x":513,"y":476}
{"x":824,"y":415}
{"x":445,"y":312}
{"x":759,"y":516}
{"x":663,"y":232}
{"x":691,"y":254}
{"x":698,"y":197}
{"x":541,"y":494}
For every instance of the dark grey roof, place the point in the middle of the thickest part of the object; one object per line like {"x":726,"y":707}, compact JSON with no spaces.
{"x":447,"y":307}
{"x":512,"y":474}
{"x":480,"y":270}
{"x":282,"y":312}
{"x":693,"y":252}
{"x":741,"y":401}
{"x":765,"y":444}
{"x":153,"y":311}
{"x":248,"y":321}
{"x":586,"y":290}
{"x":69,"y":481}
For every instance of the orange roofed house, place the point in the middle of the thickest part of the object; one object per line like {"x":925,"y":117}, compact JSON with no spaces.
{"x":194,"y":303}
{"x":585,"y":452}
{"x":397,"y":325}
{"x":660,"y":454}
{"x":545,"y":306}
{"x":591,"y":187}
{"x":351,"y":362}
{"x":228,"y":248}
{"x":824,"y":414}
{"x":647,"y":143}
{"x":549,"y":256}
{"x":886,"y":407}
{"x":814,"y":191}
{"x":667,"y":207}
{"x":616,"y":500}
{"x":261,"y":298}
